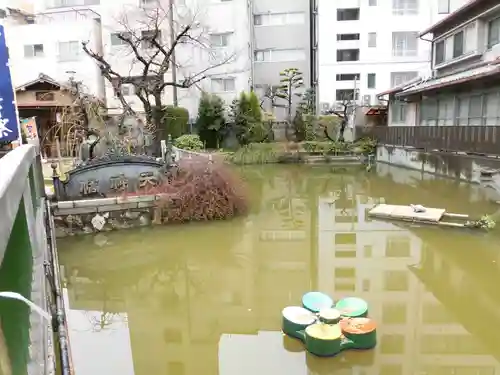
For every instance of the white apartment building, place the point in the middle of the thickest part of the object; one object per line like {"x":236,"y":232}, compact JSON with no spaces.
{"x":262,"y":38}
{"x":367,"y":46}
{"x":51,"y":44}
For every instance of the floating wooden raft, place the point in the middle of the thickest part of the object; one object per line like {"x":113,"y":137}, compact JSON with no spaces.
{"x":433,"y":216}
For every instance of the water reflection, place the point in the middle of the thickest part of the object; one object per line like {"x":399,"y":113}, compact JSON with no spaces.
{"x":206,"y":298}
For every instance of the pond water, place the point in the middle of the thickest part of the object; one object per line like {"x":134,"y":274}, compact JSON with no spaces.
{"x":206,"y":298}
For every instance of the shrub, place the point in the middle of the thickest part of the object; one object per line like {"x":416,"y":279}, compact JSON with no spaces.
{"x":331,"y":124}
{"x":175,"y":120}
{"x":191,"y":142}
{"x":201,"y":190}
{"x":326,"y":147}
{"x":247,"y":119}
{"x":257,"y":153}
{"x":211,"y":121}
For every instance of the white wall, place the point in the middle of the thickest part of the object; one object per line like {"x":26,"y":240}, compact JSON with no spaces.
{"x":51,"y":30}
{"x":211,"y":16}
{"x":379,"y":60}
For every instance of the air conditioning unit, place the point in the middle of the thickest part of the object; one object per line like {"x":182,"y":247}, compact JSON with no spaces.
{"x":325,"y":107}
{"x":366,"y":100}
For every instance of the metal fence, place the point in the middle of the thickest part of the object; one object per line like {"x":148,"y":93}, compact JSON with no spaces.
{"x":472,"y":139}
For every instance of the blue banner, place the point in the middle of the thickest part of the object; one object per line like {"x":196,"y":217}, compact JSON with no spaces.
{"x":9,"y":122}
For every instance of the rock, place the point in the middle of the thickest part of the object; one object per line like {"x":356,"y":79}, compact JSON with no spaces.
{"x":144,"y":220}
{"x":87,"y":229}
{"x":133,"y":215}
{"x":98,"y":222}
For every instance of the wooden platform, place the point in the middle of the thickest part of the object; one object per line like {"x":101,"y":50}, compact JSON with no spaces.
{"x":406,"y":213}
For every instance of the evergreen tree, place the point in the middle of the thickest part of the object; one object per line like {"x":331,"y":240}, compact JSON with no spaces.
{"x":211,"y":121}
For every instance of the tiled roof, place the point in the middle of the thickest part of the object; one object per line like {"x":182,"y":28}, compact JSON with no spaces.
{"x":453,"y":79}
{"x":41,"y":78}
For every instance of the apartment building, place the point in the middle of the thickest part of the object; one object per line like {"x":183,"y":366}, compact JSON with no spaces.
{"x":50,"y":44}
{"x":242,"y":44}
{"x":463,"y":89}
{"x":367,"y":46}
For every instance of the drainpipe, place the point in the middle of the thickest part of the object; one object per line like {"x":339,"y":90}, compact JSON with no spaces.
{"x":313,"y":70}
{"x":251,"y":45}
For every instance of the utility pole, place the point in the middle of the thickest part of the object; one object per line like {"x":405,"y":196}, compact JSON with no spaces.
{"x":173,"y":65}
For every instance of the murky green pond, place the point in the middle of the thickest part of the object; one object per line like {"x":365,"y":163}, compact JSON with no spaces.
{"x":206,"y":298}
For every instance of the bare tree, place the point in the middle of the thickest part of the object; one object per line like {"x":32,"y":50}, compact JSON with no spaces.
{"x":153,"y":56}
{"x":342,"y":113}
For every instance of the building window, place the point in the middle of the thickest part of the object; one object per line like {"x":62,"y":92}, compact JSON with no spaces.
{"x":280,"y":55}
{"x":44,"y":96}
{"x":458,"y":44}
{"x":392,"y":344}
{"x":398,"y":111}
{"x":400,"y":78}
{"x":348,"y":55}
{"x":344,"y":272}
{"x":177,"y":368}
{"x":345,"y":95}
{"x":278,"y":19}
{"x":372,"y":40}
{"x":33,"y":50}
{"x":393,"y":369}
{"x":440,"y":52}
{"x":347,"y":37}
{"x":443,"y":6}
{"x":396,"y":281}
{"x":449,"y":344}
{"x":435,"y":313}
{"x":72,"y":3}
{"x":172,"y":336}
{"x":394,"y":313}
{"x":69,"y":51}
{"x":348,"y":14}
{"x":494,"y":32}
{"x":405,"y":43}
{"x":116,"y":41}
{"x":397,"y":247}
{"x":371,"y":80}
{"x":372,"y":3}
{"x":462,"y":110}
{"x":223,"y":84}
{"x":345,"y":238}
{"x":149,"y":39}
{"x":127,"y":89}
{"x":220,"y":40}
{"x":404,"y":7}
{"x":492,"y":112}
{"x":348,"y":77}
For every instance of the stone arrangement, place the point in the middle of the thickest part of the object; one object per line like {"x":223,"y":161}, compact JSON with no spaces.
{"x":327,"y":327}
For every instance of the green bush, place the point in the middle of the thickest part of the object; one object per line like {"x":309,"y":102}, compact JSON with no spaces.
{"x":175,"y":120}
{"x":247,"y":119}
{"x":366,"y":145}
{"x":211,"y":122}
{"x":190,"y":142}
{"x":257,"y":153}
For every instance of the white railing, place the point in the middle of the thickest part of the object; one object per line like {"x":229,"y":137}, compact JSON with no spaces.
{"x":179,"y":154}
{"x":23,"y":253}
